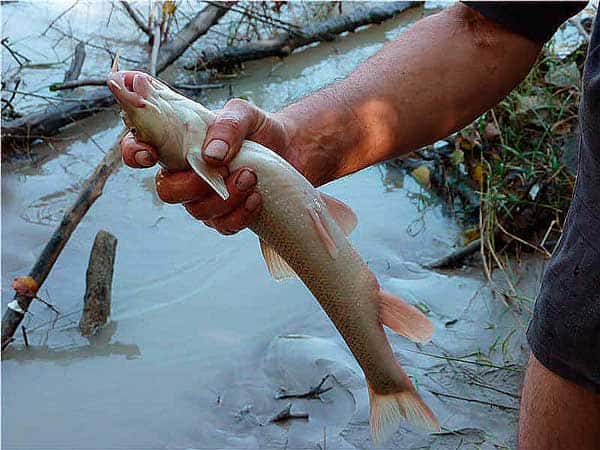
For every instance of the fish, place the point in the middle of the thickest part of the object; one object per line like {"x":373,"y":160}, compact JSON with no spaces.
{"x":302,"y":233}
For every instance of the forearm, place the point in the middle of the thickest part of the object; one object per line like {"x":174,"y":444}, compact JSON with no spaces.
{"x":437,"y":77}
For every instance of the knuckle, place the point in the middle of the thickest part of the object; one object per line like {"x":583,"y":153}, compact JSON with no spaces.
{"x":229,"y":122}
{"x":237,"y":104}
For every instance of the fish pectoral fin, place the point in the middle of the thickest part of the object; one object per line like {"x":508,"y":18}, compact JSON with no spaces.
{"x":210,"y":174}
{"x":388,"y":410}
{"x":278,"y":267}
{"x":341,"y":213}
{"x":403,"y":318}
{"x":320,"y":226}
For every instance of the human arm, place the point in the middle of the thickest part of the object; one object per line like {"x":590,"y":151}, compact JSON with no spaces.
{"x":437,"y":77}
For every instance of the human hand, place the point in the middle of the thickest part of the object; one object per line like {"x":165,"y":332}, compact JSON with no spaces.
{"x":237,"y":121}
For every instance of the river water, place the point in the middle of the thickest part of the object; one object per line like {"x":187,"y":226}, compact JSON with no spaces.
{"x":201,"y":338}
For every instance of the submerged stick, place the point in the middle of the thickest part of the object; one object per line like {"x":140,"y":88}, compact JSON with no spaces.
{"x":98,"y":283}
{"x":91,"y":190}
{"x":455,"y":258}
{"x":284,"y":43}
{"x":286,"y":414}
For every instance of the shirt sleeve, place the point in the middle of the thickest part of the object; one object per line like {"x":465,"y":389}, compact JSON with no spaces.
{"x":535,"y":20}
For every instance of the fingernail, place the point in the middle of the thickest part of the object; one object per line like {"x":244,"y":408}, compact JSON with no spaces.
{"x":216,"y":149}
{"x":252,"y":202}
{"x":245,"y":180}
{"x":143,"y":158}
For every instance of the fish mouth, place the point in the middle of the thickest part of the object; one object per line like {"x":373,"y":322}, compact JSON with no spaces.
{"x":130,"y":87}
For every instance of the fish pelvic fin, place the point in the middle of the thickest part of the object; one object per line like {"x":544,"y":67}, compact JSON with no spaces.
{"x":341,"y":213}
{"x":210,"y":174}
{"x":277,"y":266}
{"x":388,"y":410}
{"x":403,"y":318}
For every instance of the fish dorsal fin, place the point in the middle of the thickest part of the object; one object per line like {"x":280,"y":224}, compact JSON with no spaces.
{"x":322,"y":230}
{"x":341,"y":213}
{"x":278,"y":267}
{"x":210,"y":174}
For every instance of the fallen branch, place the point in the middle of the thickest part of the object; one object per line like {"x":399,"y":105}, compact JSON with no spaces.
{"x":23,"y":131}
{"x":312,"y":393}
{"x":286,"y":414}
{"x":74,"y":84}
{"x":91,"y":190}
{"x":284,"y":43}
{"x":455,"y":258}
{"x":98,"y":284}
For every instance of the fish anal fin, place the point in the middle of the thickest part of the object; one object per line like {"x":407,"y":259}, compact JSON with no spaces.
{"x":277,"y":266}
{"x":341,"y":213}
{"x":322,"y":231}
{"x":388,"y":410}
{"x":403,"y":318}
{"x":208,"y":173}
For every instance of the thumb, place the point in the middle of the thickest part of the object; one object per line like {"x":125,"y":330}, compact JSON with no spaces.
{"x":236,"y":121}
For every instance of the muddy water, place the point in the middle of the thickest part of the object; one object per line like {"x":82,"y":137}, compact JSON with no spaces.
{"x":201,"y":339}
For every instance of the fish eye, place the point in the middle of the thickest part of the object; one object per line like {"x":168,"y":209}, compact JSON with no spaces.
{"x":133,"y":131}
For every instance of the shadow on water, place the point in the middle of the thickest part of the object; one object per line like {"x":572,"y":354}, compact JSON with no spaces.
{"x":99,"y":345}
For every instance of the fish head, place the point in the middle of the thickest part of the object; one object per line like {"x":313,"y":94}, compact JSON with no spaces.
{"x":156,"y":114}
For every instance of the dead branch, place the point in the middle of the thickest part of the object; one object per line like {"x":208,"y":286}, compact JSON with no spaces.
{"x":98,"y":283}
{"x":286,"y":414}
{"x":23,"y":131}
{"x":313,"y":393}
{"x":57,"y":18}
{"x":74,"y":84}
{"x":76,"y":63}
{"x":137,"y":19}
{"x":91,"y":190}
{"x":284,"y":43}
{"x":455,"y":258}
{"x":15,"y":54}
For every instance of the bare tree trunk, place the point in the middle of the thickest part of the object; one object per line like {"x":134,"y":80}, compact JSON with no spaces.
{"x":98,"y":283}
{"x":21,"y":132}
{"x":284,"y":43}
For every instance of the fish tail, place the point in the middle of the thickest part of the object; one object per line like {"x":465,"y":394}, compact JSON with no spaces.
{"x":387,"y":410}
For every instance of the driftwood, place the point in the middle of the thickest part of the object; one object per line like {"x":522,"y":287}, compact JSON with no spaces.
{"x":284,"y":43}
{"x":91,"y":190}
{"x":76,"y":63}
{"x":98,"y":283}
{"x":21,"y":132}
{"x":455,"y":258}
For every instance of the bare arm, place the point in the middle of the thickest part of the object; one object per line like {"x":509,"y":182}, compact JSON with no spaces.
{"x":437,"y":77}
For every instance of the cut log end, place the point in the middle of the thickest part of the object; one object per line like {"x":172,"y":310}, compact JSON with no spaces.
{"x":97,"y":299}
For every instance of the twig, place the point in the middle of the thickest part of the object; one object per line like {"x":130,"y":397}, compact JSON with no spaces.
{"x":312,"y":393}
{"x":198,"y":87}
{"x":12,"y":96}
{"x":15,"y":54}
{"x":286,"y":414}
{"x":24,"y":331}
{"x":136,"y":18}
{"x":456,"y":257}
{"x":77,"y":83}
{"x":467,"y":361}
{"x":474,"y":400}
{"x":49,"y":305}
{"x":66,"y":11}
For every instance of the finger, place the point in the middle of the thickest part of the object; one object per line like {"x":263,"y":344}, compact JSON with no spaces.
{"x":180,"y":187}
{"x":239,"y":185}
{"x":225,"y":135}
{"x":240,"y":217}
{"x":137,"y":155}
